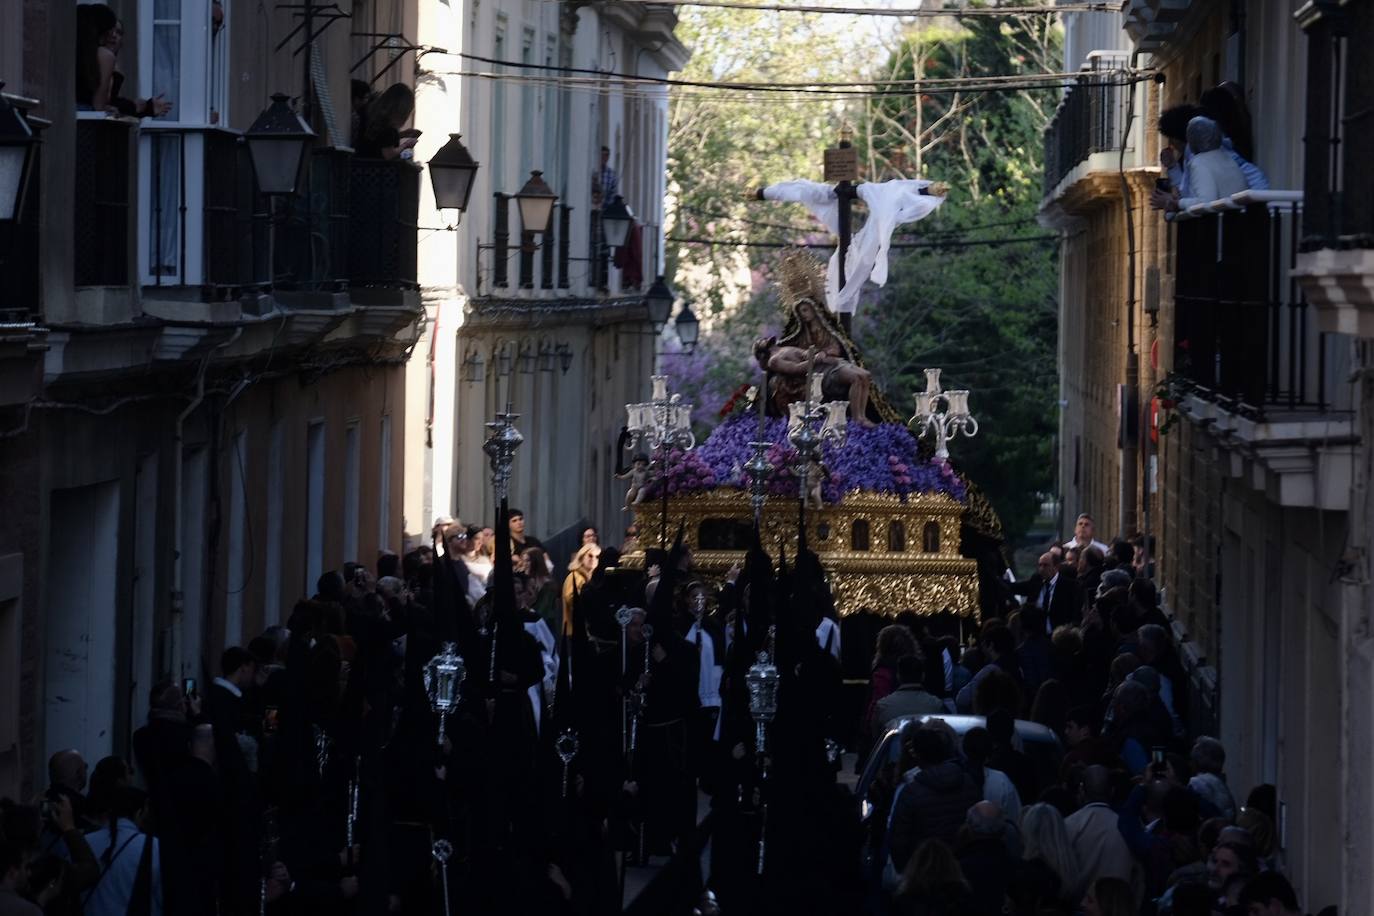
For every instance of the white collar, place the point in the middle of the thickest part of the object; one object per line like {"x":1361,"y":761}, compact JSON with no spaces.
{"x":229,"y":686}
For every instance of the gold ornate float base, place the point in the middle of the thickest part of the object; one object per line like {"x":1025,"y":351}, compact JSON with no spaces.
{"x":879,"y":552}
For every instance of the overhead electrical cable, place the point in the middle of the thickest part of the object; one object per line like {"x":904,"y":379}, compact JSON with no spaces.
{"x":897,"y":12}
{"x":597,"y":79}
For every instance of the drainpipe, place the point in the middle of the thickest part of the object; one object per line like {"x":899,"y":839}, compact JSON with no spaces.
{"x":1129,"y":446}
{"x":178,"y":535}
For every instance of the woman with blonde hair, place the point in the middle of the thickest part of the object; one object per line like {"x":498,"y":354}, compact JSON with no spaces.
{"x":1047,"y":878}
{"x":579,"y":573}
{"x":933,"y":884}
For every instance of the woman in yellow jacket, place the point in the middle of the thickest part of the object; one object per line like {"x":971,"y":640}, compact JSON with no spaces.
{"x":579,"y":572}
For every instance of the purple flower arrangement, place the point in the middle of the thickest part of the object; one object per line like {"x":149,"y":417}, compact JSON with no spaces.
{"x":883,"y":459}
{"x":687,"y":473}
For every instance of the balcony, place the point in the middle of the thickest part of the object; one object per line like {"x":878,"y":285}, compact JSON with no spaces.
{"x":515,"y":270}
{"x":1087,"y":130}
{"x":384,"y":209}
{"x":1336,"y":262}
{"x":205,"y":233}
{"x":1250,"y":361}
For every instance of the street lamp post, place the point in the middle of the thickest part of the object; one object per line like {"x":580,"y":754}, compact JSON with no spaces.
{"x":662,"y":423}
{"x":17,"y":152}
{"x":946,"y":423}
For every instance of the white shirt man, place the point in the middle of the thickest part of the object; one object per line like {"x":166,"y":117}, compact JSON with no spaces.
{"x":1083,"y":531}
{"x":828,"y":636}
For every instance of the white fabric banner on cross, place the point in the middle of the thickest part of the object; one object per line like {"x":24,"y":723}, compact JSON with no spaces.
{"x":890,"y":204}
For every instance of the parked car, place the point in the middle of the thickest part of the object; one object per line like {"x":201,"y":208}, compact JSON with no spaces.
{"x":1037,"y":741}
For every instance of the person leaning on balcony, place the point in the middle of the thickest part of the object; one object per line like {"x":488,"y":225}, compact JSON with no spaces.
{"x":1174,"y":158}
{"x":99,"y":38}
{"x":1212,"y":173}
{"x":380,"y":133}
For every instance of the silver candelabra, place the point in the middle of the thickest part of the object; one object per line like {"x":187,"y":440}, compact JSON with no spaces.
{"x":812,"y":423}
{"x":943,"y":412}
{"x":662,"y":423}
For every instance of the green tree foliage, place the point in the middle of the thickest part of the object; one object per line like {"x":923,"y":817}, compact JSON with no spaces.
{"x":985,"y":313}
{"x":721,"y":143}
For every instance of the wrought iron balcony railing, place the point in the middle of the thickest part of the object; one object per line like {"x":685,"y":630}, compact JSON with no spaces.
{"x":1244,"y":335}
{"x":1091,"y":118}
{"x":1339,"y":134}
{"x":103,"y":184}
{"x":384,"y":210}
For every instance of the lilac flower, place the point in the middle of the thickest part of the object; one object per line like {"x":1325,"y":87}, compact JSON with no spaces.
{"x":884,"y":459}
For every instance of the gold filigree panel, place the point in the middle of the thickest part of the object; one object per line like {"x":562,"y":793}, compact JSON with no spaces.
{"x":926,"y":581}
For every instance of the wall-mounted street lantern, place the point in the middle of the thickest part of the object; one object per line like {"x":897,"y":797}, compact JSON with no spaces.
{"x":18,"y":146}
{"x":453,"y":172}
{"x":535,"y":200}
{"x":277,"y":143}
{"x":615,"y":222}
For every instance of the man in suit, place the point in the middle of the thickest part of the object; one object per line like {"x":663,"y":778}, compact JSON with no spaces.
{"x":1056,"y":594}
{"x":224,"y":709}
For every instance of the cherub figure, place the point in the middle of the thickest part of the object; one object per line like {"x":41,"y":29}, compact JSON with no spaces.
{"x":816,"y":476}
{"x":638,"y":476}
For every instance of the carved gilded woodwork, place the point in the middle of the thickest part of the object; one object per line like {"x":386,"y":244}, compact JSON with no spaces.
{"x":880,"y":578}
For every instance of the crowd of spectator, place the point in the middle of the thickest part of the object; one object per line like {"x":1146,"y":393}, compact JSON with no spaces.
{"x":1132,"y":813}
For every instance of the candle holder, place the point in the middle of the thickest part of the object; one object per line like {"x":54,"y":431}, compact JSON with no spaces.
{"x":811,"y":425}
{"x":662,"y":423}
{"x":945,"y":422}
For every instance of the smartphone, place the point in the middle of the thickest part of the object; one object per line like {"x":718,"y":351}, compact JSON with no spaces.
{"x":188,"y":686}
{"x":1163,"y":184}
{"x":269,"y":720}
{"x":1157,"y":755}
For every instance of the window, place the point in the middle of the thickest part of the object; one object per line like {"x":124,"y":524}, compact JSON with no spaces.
{"x":896,"y":537}
{"x":219,"y":62}
{"x":166,"y":46}
{"x":725,"y":534}
{"x":182,"y":57}
{"x":384,"y":488}
{"x":498,"y":112}
{"x":930,"y":537}
{"x":552,"y":94}
{"x":858,"y":535}
{"x":350,"y":507}
{"x":271,"y":595}
{"x":314,"y":505}
{"x":528,"y":146}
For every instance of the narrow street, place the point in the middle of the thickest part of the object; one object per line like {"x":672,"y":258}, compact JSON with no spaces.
{"x":589,"y":457}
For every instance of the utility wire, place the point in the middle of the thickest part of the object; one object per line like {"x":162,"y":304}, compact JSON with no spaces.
{"x":598,"y":78}
{"x":905,"y":246}
{"x":905,"y":13}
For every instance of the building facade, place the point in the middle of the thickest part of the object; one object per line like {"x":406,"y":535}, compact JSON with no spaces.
{"x":202,"y":389}
{"x":553,"y":323}
{"x":1215,"y":388}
